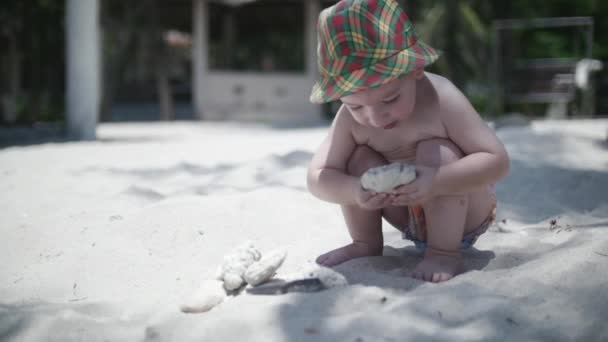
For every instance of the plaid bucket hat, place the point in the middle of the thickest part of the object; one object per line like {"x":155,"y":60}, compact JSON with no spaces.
{"x":364,"y":44}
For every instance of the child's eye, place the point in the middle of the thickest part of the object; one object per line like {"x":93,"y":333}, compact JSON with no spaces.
{"x":355,"y":107}
{"x":392,"y":99}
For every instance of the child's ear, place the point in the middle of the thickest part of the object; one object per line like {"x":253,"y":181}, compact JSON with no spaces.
{"x":419,"y":73}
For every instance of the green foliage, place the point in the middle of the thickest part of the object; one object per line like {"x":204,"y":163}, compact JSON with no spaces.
{"x":462,"y":29}
{"x":37,"y":27}
{"x":256,"y":43}
{"x":544,"y":44}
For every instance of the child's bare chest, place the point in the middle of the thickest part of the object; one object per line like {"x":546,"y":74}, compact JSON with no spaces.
{"x":399,"y":144}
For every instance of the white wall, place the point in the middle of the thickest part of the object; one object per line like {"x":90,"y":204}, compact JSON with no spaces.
{"x":277,"y":97}
{"x":257,"y":96}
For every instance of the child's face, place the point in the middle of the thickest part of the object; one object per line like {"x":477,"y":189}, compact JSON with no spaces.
{"x":386,"y":106}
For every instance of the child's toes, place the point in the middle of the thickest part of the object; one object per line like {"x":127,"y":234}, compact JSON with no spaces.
{"x":446,"y":276}
{"x":328,"y":259}
{"x":440,"y":277}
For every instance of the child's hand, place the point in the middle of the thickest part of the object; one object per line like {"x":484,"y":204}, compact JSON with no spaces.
{"x":417,"y":192}
{"x":371,"y":200}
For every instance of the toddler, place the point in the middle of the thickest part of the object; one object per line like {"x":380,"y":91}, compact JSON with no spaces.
{"x":371,"y":59}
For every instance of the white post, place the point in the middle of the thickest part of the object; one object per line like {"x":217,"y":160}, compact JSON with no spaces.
{"x":199,"y":53}
{"x":83,"y":68}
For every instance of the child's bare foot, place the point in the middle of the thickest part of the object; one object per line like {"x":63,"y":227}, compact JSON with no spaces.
{"x":438,"y":265}
{"x":350,"y":251}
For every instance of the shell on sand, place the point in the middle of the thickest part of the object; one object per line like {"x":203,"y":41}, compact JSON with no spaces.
{"x":328,"y":277}
{"x":210,"y":294}
{"x":235,"y":265}
{"x":387,"y":177}
{"x":265,"y":268}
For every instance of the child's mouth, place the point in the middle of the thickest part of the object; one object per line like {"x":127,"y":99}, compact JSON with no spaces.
{"x":391,"y":125}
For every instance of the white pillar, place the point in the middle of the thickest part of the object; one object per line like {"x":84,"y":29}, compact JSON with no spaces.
{"x":199,"y":53}
{"x":83,"y":68}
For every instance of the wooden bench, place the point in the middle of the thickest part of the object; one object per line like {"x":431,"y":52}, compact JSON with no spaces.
{"x":541,"y":81}
{"x":521,"y":81}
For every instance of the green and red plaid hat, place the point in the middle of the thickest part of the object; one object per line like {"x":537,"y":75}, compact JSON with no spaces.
{"x":364,"y":44}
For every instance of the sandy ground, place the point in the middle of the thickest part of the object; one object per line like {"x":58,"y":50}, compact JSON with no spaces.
{"x":102,"y":241}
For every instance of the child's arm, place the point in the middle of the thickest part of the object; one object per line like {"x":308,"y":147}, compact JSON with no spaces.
{"x":327,"y":178}
{"x":486,"y":161}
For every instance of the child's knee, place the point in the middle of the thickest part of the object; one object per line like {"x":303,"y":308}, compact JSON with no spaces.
{"x":363,"y":159}
{"x":437,"y":152}
{"x":447,"y":204}
{"x":434,"y":153}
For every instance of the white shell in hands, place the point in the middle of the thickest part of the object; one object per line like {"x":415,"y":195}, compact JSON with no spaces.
{"x":387,"y":177}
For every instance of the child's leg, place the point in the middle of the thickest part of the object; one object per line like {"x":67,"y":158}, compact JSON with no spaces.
{"x":364,"y":226}
{"x":448,"y":218}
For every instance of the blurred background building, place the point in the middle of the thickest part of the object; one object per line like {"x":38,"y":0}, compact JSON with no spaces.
{"x":255,"y":60}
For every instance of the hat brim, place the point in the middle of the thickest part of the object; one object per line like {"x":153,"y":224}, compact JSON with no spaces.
{"x":416,"y":56}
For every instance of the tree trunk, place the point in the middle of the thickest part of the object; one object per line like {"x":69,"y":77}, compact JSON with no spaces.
{"x":162,"y":56}
{"x":115,"y":62}
{"x":114,"y":67}
{"x":165,"y":96}
{"x":451,"y":48}
{"x":10,"y":102}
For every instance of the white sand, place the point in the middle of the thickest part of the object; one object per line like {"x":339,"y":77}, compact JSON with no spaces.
{"x":102,"y":240}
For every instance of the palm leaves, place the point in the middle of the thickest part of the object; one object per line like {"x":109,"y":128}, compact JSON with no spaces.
{"x":455,"y":27}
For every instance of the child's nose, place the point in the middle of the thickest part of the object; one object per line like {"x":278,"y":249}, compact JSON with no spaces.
{"x":377,"y":112}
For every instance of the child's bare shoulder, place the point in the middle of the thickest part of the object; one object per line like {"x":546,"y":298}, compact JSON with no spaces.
{"x":344,"y":123}
{"x":447,"y":95}
{"x":462,"y":124}
{"x":343,"y":116}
